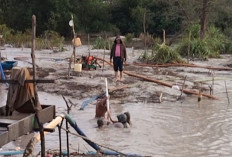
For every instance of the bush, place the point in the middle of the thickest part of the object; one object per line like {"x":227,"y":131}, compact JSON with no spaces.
{"x":165,"y":54}
{"x":48,"y":40}
{"x":211,"y":46}
{"x":215,"y":40}
{"x":149,"y":39}
{"x":228,"y":46}
{"x":129,"y":38}
{"x":100,"y":43}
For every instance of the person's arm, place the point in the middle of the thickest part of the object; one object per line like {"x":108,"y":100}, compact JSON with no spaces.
{"x":125,"y":54}
{"x":111,"y":53}
{"x":113,"y":121}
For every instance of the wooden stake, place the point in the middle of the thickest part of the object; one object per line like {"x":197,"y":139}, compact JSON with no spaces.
{"x":189,"y":46}
{"x":212,"y":81}
{"x":199,"y":94}
{"x":227,"y":93}
{"x":107,"y":99}
{"x":35,"y":89}
{"x":74,"y":37}
{"x":74,"y":48}
{"x":182,"y":87}
{"x":67,"y":126}
{"x":144,"y":31}
{"x":164,"y":37}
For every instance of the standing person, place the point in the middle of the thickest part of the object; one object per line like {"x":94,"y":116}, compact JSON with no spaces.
{"x":118,"y":53}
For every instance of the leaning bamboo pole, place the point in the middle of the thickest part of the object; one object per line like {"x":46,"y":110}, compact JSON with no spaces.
{"x":168,"y":85}
{"x":184,"y":65}
{"x":162,"y":83}
{"x":177,"y":65}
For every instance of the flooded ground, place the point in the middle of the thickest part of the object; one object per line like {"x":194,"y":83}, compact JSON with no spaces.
{"x":168,"y":129}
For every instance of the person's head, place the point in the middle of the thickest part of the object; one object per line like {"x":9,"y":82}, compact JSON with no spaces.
{"x":127,"y":117}
{"x":118,"y":40}
{"x":122,"y":118}
{"x":100,"y":123}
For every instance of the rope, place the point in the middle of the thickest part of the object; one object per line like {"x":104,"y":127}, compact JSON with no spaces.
{"x":83,"y":137}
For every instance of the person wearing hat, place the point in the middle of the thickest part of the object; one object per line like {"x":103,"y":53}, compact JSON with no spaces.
{"x":118,"y":53}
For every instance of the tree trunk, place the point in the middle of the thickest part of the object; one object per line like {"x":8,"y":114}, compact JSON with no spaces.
{"x":204,"y":18}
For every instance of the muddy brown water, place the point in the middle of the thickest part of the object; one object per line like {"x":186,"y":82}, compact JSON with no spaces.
{"x":167,"y":129}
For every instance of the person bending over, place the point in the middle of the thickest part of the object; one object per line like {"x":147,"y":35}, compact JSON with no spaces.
{"x":123,"y":121}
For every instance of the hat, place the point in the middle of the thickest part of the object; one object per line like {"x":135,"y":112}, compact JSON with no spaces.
{"x":117,"y":37}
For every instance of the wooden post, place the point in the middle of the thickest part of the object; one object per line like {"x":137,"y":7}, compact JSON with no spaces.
{"x":228,"y":98}
{"x":67,"y":126}
{"x":88,"y":45}
{"x":74,"y":47}
{"x":74,"y":37}
{"x":107,"y":99}
{"x":182,"y":87}
{"x":200,"y":94}
{"x":212,"y":80}
{"x":164,"y":38}
{"x":189,"y":46}
{"x":34,"y":83}
{"x":144,"y":31}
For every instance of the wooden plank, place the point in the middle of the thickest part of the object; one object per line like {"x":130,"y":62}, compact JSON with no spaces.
{"x":20,"y":123}
{"x":6,"y":122}
{"x":4,"y":138}
{"x":27,"y":81}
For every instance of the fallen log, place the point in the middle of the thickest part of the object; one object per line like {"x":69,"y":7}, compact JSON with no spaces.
{"x":184,"y":65}
{"x":27,"y":81}
{"x":160,"y":82}
{"x":168,"y":85}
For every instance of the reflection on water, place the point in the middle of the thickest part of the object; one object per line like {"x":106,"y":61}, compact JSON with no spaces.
{"x":167,"y":129}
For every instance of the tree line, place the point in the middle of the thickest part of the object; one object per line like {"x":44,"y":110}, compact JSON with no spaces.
{"x":117,"y":16}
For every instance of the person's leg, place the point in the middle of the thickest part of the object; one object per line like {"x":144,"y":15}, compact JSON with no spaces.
{"x":121,"y":75}
{"x":116,"y":67}
{"x":116,"y":76}
{"x":121,"y":69}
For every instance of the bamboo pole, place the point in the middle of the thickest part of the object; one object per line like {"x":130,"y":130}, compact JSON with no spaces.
{"x":228,"y":98}
{"x":167,"y":84}
{"x":184,"y":65}
{"x":162,"y":83}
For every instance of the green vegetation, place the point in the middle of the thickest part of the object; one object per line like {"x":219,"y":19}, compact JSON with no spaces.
{"x":212,"y":45}
{"x":162,"y":54}
{"x":209,"y":21}
{"x":165,"y":54}
{"x":48,"y":40}
{"x":101,"y":43}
